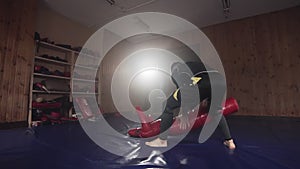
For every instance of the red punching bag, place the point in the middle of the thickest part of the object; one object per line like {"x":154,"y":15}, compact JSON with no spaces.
{"x":150,"y":128}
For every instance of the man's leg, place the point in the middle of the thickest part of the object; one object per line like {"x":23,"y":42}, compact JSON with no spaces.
{"x":219,"y":85}
{"x":225,"y":130}
{"x":166,"y":122}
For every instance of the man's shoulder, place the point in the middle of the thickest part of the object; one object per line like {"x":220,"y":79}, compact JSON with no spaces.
{"x":196,"y":66}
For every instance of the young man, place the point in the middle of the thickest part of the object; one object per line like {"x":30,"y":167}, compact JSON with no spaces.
{"x":188,"y":77}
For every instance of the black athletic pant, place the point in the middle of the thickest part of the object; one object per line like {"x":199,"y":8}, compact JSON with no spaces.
{"x":204,"y":87}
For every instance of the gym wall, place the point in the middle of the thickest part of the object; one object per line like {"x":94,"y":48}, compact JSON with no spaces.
{"x":17,"y":25}
{"x":261,"y":58}
{"x":60,"y":29}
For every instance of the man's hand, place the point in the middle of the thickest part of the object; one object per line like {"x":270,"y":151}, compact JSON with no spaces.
{"x":184,"y":122}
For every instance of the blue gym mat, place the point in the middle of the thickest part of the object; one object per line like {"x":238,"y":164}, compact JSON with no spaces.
{"x":262,"y":142}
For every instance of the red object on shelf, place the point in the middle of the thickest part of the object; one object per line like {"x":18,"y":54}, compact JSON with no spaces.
{"x":150,"y":128}
{"x":37,"y":68}
{"x":44,"y":119}
{"x":46,"y":105}
{"x":68,"y":119}
{"x":55,"y":115}
{"x":67,"y":74}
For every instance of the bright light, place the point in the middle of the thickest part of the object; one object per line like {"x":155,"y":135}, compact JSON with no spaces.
{"x":149,"y":76}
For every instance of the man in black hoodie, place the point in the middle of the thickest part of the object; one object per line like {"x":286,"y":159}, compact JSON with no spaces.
{"x":189,"y":78}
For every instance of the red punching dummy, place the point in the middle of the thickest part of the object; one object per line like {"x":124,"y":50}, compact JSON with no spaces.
{"x":150,"y":128}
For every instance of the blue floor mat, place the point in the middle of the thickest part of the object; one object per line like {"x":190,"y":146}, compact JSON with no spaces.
{"x":262,"y":142}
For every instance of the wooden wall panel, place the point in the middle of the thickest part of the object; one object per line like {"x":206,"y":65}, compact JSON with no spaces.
{"x":3,"y":37}
{"x":17,"y":51}
{"x":261,"y":58}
